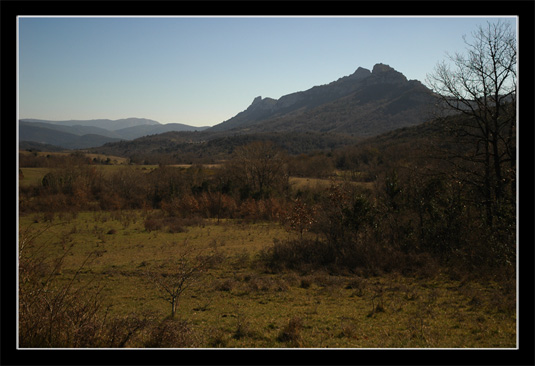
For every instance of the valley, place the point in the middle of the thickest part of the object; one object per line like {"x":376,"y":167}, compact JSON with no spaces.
{"x":349,"y":215}
{"x":363,"y":104}
{"x":342,"y":248}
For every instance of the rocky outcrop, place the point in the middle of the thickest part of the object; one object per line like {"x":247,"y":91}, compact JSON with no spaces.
{"x":384,"y":74}
{"x":259,"y":104}
{"x":364,"y":97}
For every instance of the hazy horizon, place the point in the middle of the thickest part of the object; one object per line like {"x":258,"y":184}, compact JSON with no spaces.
{"x":201,"y":71}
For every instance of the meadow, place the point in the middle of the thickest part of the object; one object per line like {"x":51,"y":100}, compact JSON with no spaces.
{"x":240,"y":303}
{"x":115,"y":255}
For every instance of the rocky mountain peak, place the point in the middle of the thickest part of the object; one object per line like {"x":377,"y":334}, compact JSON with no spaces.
{"x":262,"y":103}
{"x":378,"y":68}
{"x":256,"y":100}
{"x":339,"y":105}
{"x":385,"y":74}
{"x":360,"y":73}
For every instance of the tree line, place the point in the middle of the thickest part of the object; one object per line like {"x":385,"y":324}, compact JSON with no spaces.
{"x":440,"y":197}
{"x":446,"y":189}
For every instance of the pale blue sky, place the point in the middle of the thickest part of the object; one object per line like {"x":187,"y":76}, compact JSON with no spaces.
{"x":204,"y":70}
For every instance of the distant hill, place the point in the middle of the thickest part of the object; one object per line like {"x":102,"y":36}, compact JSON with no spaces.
{"x":208,"y":147}
{"x":36,"y":146}
{"x":107,"y":124}
{"x":50,"y":136}
{"x":211,"y":147}
{"x":81,"y":134}
{"x":322,"y":118}
{"x":134,"y":132}
{"x":365,"y":103}
{"x":78,"y":130}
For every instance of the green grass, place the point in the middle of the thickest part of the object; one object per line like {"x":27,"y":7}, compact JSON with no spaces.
{"x":32,"y":176}
{"x":240,"y":304}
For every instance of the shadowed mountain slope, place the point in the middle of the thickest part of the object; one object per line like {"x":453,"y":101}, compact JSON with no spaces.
{"x":365,"y":103}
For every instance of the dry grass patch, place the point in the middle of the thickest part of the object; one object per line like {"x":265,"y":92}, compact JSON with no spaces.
{"x":237,"y":303}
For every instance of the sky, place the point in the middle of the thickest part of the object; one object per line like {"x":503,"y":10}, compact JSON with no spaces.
{"x":201,"y":71}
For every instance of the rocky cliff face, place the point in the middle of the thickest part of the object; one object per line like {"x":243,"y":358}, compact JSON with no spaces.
{"x":345,"y":105}
{"x":384,"y":74}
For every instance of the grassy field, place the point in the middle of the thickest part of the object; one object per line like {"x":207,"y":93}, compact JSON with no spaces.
{"x":320,"y":183}
{"x":112,"y":159}
{"x":238,"y":303}
{"x":34,"y":176}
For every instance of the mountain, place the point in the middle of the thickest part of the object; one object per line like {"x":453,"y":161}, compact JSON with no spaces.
{"x":81,"y":134}
{"x":107,"y":124}
{"x":78,"y":130}
{"x":210,"y":147}
{"x":134,"y":132}
{"x":366,"y":103}
{"x":37,"y":146}
{"x":363,"y":104}
{"x":43,"y":135}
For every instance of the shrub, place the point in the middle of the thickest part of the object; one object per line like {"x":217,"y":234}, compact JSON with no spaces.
{"x":153,"y":224}
{"x":291,"y":333}
{"x":217,"y":339}
{"x":171,"y":333}
{"x":302,"y":255}
{"x":226,"y":285}
{"x":243,"y":328}
{"x":174,"y":225}
{"x":54,"y":314}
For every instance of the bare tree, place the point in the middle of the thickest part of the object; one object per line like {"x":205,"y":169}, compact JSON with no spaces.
{"x":481,"y":85}
{"x":260,"y":167}
{"x":184,"y":271}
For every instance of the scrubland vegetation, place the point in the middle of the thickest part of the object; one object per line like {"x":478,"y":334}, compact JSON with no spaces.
{"x":404,"y":240}
{"x":259,"y":251}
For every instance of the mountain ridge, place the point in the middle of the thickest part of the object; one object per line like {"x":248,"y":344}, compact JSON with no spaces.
{"x":362,"y":104}
{"x":107,"y":124}
{"x":81,"y":134}
{"x":344,"y":105}
{"x":60,"y":138}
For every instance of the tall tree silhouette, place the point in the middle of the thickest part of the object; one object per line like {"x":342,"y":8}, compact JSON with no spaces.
{"x":481,"y":85}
